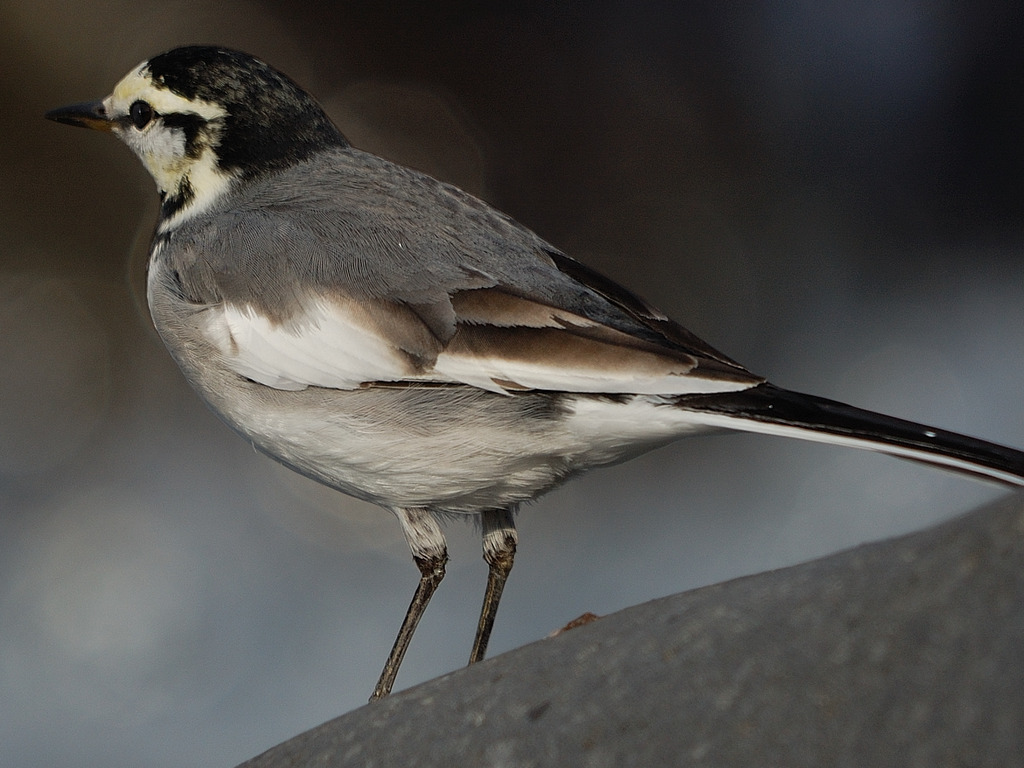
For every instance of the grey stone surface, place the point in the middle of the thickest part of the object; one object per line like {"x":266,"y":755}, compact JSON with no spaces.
{"x":908,"y":652}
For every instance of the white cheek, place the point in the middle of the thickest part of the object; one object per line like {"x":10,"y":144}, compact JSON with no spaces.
{"x":162,"y":151}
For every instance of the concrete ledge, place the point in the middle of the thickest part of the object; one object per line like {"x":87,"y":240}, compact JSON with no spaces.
{"x":908,"y":652}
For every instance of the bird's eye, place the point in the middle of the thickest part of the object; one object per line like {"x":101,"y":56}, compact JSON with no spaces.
{"x":140,"y":114}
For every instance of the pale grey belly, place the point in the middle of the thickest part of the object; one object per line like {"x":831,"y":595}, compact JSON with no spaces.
{"x":449,"y":448}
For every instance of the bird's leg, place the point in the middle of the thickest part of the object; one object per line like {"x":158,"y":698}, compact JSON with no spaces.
{"x":430,"y":552}
{"x":499,"y":539}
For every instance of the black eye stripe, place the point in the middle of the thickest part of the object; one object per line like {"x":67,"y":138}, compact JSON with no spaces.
{"x":192,"y":125}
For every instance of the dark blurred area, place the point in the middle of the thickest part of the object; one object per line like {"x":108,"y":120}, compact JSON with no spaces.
{"x":830,"y":193}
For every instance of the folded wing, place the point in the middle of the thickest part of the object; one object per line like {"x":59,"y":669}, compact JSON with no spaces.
{"x":344,"y":284}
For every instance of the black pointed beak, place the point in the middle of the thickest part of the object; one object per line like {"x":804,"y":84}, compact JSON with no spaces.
{"x":89,"y":114}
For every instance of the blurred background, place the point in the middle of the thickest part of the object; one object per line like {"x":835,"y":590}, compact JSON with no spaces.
{"x":829,"y":192}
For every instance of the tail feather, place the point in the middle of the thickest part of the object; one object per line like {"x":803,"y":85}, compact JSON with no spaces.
{"x":771,"y":410}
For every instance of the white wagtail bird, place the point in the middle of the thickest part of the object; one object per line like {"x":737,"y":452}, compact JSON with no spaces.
{"x":397,"y":339}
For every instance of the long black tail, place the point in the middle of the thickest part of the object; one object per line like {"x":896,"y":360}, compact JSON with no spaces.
{"x":771,"y":410}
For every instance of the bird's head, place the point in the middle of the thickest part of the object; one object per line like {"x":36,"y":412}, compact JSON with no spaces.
{"x":202,"y":118}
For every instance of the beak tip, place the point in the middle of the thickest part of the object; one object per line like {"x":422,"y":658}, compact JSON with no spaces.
{"x":57,"y":115}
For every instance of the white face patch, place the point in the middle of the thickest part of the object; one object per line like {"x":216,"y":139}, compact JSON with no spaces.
{"x":162,"y":148}
{"x":162,"y":151}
